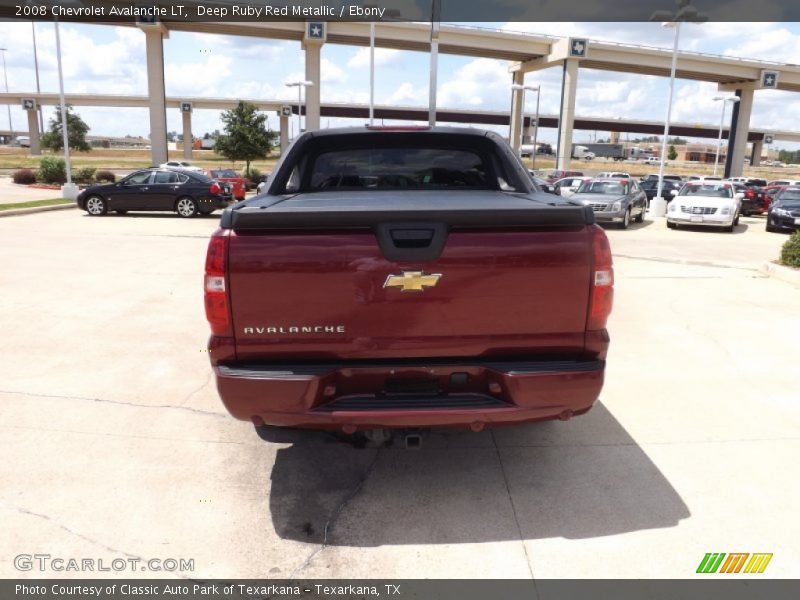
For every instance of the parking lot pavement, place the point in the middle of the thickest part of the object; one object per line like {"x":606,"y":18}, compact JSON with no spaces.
{"x":11,"y":192}
{"x":115,"y":444}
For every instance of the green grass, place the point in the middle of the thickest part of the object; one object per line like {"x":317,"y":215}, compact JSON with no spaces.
{"x":35,"y":203}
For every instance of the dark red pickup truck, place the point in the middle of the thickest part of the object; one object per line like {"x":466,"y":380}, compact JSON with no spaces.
{"x":399,"y":278}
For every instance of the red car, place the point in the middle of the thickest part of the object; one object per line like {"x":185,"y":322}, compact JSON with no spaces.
{"x":239,"y":185}
{"x":554,"y":176}
{"x":396,"y":278}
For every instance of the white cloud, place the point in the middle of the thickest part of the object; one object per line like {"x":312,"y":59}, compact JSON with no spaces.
{"x":482,"y":82}
{"x":204,"y":78}
{"x":330,"y":72}
{"x":407,"y":94}
{"x":383,"y":57}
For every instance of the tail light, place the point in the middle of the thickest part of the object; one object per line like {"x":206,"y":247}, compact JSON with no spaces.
{"x":216,"y":298}
{"x":215,"y":188}
{"x":750,"y":194}
{"x":602,"y":294}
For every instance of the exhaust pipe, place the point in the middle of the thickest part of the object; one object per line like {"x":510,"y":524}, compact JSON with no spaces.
{"x":413,"y":441}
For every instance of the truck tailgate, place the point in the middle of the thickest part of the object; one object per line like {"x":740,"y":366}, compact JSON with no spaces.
{"x":301,"y":291}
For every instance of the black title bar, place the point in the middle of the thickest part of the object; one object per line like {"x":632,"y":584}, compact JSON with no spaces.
{"x":150,"y":11}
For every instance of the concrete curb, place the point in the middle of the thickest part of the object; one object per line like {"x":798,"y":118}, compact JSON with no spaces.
{"x":11,"y":212}
{"x":787,"y":274}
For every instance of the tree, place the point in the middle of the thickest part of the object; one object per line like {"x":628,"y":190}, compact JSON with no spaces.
{"x":672,"y":154}
{"x":246,"y":135}
{"x":76,"y":129}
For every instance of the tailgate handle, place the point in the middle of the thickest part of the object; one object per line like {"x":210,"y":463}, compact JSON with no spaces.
{"x":412,"y":238}
{"x":411,"y":241}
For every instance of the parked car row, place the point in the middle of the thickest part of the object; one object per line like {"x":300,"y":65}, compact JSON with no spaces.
{"x":707,"y":201}
{"x":185,"y":192}
{"x":174,"y":185}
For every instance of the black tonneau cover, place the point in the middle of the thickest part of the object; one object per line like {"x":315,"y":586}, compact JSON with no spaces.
{"x":364,"y":209}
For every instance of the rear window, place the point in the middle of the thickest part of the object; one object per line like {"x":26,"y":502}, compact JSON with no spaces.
{"x":715,"y":190}
{"x":789,"y":194}
{"x":399,"y":168}
{"x":602,"y":187}
{"x":223,"y":173}
{"x":197,"y":176}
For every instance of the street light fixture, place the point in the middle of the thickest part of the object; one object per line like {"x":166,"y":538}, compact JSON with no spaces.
{"x":724,"y":100}
{"x":685,"y":13}
{"x":5,"y":76}
{"x":523,"y":89}
{"x":300,"y":85}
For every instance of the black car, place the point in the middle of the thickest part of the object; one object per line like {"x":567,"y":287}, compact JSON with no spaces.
{"x":784,"y":213}
{"x":754,"y":199}
{"x":187,"y":193}
{"x":650,"y":187}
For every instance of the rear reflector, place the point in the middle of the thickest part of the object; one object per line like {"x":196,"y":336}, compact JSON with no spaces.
{"x":216,"y":300}
{"x":602,"y":294}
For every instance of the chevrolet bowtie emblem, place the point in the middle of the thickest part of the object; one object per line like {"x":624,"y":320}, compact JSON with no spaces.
{"x":412,"y":281}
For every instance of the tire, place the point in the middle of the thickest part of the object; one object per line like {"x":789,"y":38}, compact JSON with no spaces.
{"x":96,"y":206}
{"x":770,"y":228}
{"x":734,"y":223}
{"x":626,"y":220}
{"x":671,"y":225}
{"x":186,"y":207}
{"x":640,"y":218}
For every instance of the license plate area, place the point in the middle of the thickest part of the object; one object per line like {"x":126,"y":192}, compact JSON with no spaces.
{"x":696,"y":219}
{"x":797,"y":221}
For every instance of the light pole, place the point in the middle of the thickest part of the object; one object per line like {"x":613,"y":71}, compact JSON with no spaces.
{"x":686,"y":13}
{"x":68,"y":190}
{"x":537,"y":89}
{"x":300,"y":85}
{"x":5,"y":76}
{"x":36,"y":69}
{"x":434,"y":64}
{"x":724,"y":100}
{"x":371,"y":72}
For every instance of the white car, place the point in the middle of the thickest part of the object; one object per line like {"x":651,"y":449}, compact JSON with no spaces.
{"x":180,"y":164}
{"x":702,"y":178}
{"x":711,"y":203}
{"x":613,"y":175}
{"x":568,"y":186}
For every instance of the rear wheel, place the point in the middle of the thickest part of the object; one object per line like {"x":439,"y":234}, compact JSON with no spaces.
{"x":640,"y":218}
{"x":96,"y":206}
{"x":186,"y":207}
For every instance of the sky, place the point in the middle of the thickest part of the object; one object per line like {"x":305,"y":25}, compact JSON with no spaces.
{"x":111,"y":60}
